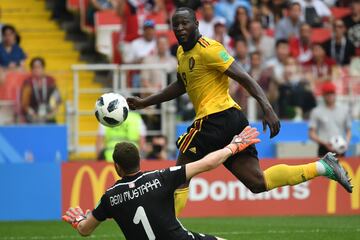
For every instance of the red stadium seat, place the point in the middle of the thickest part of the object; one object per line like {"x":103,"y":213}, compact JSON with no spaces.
{"x":340,"y":12}
{"x":158,"y":18}
{"x":116,"y":56}
{"x":73,"y":5}
{"x":106,"y":22}
{"x":320,"y":35}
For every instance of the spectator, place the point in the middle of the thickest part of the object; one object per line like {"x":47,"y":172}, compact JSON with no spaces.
{"x":256,"y":65}
{"x":128,"y":12}
{"x":220,"y":34}
{"x":206,"y":24}
{"x":158,"y":148}
{"x":260,"y":42}
{"x":225,"y":9}
{"x":11,"y":54}
{"x":193,"y":4}
{"x":264,"y":14}
{"x":300,"y":47}
{"x":296,"y":99}
{"x":143,"y":46}
{"x":339,"y":47}
{"x":40,"y":97}
{"x":289,"y":26}
{"x":132,"y":130}
{"x":154,"y":78}
{"x":352,"y":23}
{"x":277,"y":63}
{"x":329,"y":120}
{"x":241,"y":54}
{"x":279,"y":9}
{"x":320,"y":66}
{"x":240,"y":27}
{"x":314,"y":12}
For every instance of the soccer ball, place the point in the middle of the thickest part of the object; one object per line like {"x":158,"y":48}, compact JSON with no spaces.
{"x":111,"y":109}
{"x":339,"y":144}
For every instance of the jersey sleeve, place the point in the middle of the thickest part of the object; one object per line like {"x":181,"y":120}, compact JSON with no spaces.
{"x":173,"y":177}
{"x":216,"y":57}
{"x":100,"y":212}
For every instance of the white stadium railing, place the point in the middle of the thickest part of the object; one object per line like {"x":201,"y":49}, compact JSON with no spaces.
{"x":119,"y":84}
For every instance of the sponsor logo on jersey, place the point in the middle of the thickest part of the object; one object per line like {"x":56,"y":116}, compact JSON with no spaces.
{"x":224,"y":55}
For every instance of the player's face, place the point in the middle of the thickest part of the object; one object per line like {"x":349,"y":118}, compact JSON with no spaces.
{"x":184,"y":26}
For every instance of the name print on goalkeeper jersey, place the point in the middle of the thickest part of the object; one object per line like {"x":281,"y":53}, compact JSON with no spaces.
{"x":143,"y":205}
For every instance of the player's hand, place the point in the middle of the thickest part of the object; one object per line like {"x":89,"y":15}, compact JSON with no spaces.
{"x":135,"y":103}
{"x":74,"y":216}
{"x":246,"y":138}
{"x":272,"y":121}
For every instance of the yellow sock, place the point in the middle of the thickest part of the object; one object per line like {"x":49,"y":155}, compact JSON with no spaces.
{"x":282,"y":174}
{"x":180,"y":197}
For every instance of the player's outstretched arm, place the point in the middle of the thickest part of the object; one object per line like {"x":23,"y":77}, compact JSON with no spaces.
{"x":172,"y":91}
{"x":246,"y":138}
{"x":236,"y":72}
{"x":85,"y":224}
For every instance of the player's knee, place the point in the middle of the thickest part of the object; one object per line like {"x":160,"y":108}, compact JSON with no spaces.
{"x":257,"y":185}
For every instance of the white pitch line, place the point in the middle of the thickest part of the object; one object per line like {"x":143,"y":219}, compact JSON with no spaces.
{"x":105,"y":236}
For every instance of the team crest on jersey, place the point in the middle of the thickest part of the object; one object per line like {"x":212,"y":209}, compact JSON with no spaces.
{"x":191,"y":63}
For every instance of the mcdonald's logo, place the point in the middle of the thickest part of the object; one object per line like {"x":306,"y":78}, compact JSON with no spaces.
{"x":97,"y":183}
{"x":332,"y":196}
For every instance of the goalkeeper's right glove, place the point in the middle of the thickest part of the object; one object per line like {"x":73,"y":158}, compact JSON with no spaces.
{"x":246,"y":138}
{"x":74,"y":216}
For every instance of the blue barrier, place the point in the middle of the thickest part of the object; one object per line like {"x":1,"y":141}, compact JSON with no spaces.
{"x":290,"y":132}
{"x":33,"y":143}
{"x":30,"y":191}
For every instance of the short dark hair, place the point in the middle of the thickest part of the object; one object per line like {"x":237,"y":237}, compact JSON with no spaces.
{"x":7,"y":27}
{"x":126,"y":155}
{"x":191,"y":12}
{"x":37,"y":59}
{"x":281,"y":41}
{"x":293,"y":4}
{"x":255,"y":53}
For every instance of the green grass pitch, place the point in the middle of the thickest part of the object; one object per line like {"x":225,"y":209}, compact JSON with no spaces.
{"x":247,"y":228}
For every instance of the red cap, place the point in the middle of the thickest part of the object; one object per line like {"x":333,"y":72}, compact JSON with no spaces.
{"x":328,"y":87}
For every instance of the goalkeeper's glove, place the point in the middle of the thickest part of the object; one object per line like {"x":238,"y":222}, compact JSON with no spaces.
{"x":74,"y":216}
{"x":246,"y":138}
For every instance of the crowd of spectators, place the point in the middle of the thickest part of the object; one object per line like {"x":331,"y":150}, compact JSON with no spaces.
{"x":37,"y":98}
{"x":272,"y":40}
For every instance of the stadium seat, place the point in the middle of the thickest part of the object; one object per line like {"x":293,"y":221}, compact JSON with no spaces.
{"x":340,"y":12}
{"x":106,"y":22}
{"x":115,"y":39}
{"x":73,"y":5}
{"x":320,"y":35}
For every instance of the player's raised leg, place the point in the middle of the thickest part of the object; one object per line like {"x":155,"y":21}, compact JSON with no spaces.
{"x":246,"y":168}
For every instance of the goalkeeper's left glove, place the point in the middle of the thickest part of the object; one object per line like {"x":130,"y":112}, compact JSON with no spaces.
{"x":246,"y":138}
{"x":74,"y":216}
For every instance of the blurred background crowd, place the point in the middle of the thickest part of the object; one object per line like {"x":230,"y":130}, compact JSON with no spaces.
{"x":296,"y":50}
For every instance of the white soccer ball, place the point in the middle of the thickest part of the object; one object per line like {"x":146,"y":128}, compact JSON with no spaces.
{"x":339,"y":144}
{"x":111,"y":109}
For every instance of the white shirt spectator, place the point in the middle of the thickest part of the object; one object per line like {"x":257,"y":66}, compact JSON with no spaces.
{"x":139,"y":49}
{"x":207,"y":28}
{"x":321,"y":8}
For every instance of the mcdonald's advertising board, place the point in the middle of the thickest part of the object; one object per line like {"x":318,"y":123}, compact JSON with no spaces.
{"x":218,"y":193}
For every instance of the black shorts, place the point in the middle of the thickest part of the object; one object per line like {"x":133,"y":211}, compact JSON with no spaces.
{"x":212,"y":133}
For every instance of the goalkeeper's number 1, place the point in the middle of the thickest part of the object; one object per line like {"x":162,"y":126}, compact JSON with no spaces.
{"x":140,"y":216}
